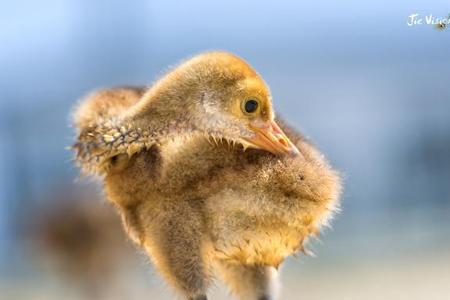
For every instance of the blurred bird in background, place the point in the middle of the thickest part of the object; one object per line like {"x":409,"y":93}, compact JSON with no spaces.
{"x":80,"y":238}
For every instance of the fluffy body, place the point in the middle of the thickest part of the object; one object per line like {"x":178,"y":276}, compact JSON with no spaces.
{"x":201,"y":208}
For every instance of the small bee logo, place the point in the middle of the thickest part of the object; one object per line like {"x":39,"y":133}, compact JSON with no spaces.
{"x":441,"y":26}
{"x":444,"y":23}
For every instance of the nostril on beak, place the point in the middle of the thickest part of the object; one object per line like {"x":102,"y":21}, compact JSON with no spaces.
{"x":283,"y":142}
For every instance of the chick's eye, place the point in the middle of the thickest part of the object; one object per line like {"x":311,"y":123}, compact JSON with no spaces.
{"x":251,"y":106}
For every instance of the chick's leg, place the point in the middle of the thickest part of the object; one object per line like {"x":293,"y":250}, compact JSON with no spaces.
{"x":176,"y":244}
{"x":250,"y":282}
{"x":201,"y":297}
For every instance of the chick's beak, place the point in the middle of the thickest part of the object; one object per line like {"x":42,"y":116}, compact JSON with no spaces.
{"x":269,"y":136}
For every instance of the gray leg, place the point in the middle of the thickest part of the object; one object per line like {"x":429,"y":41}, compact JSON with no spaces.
{"x":250,"y":282}
{"x":203,"y":297}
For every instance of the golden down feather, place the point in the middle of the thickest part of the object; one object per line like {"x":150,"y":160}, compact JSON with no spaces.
{"x":204,"y":177}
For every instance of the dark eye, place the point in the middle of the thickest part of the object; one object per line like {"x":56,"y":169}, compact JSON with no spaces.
{"x":251,"y":106}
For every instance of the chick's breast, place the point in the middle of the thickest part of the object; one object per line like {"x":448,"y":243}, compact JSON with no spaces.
{"x":269,"y":205}
{"x":258,"y":208}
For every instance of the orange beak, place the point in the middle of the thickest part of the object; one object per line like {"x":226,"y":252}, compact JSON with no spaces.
{"x":271,"y":138}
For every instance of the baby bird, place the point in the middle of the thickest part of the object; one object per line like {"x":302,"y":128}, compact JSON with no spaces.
{"x":172,"y":161}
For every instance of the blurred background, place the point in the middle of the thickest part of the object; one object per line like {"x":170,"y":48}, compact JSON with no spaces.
{"x":372,"y":92}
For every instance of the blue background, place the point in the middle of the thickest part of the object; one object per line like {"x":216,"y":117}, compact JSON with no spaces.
{"x":370,"y":91}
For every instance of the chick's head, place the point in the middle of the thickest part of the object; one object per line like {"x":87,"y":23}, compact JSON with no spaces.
{"x":235,"y":104}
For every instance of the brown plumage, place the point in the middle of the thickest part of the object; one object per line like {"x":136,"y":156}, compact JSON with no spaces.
{"x":173,"y":162}
{"x":78,"y":239}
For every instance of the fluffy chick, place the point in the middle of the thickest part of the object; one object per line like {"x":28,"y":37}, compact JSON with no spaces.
{"x":196,"y":207}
